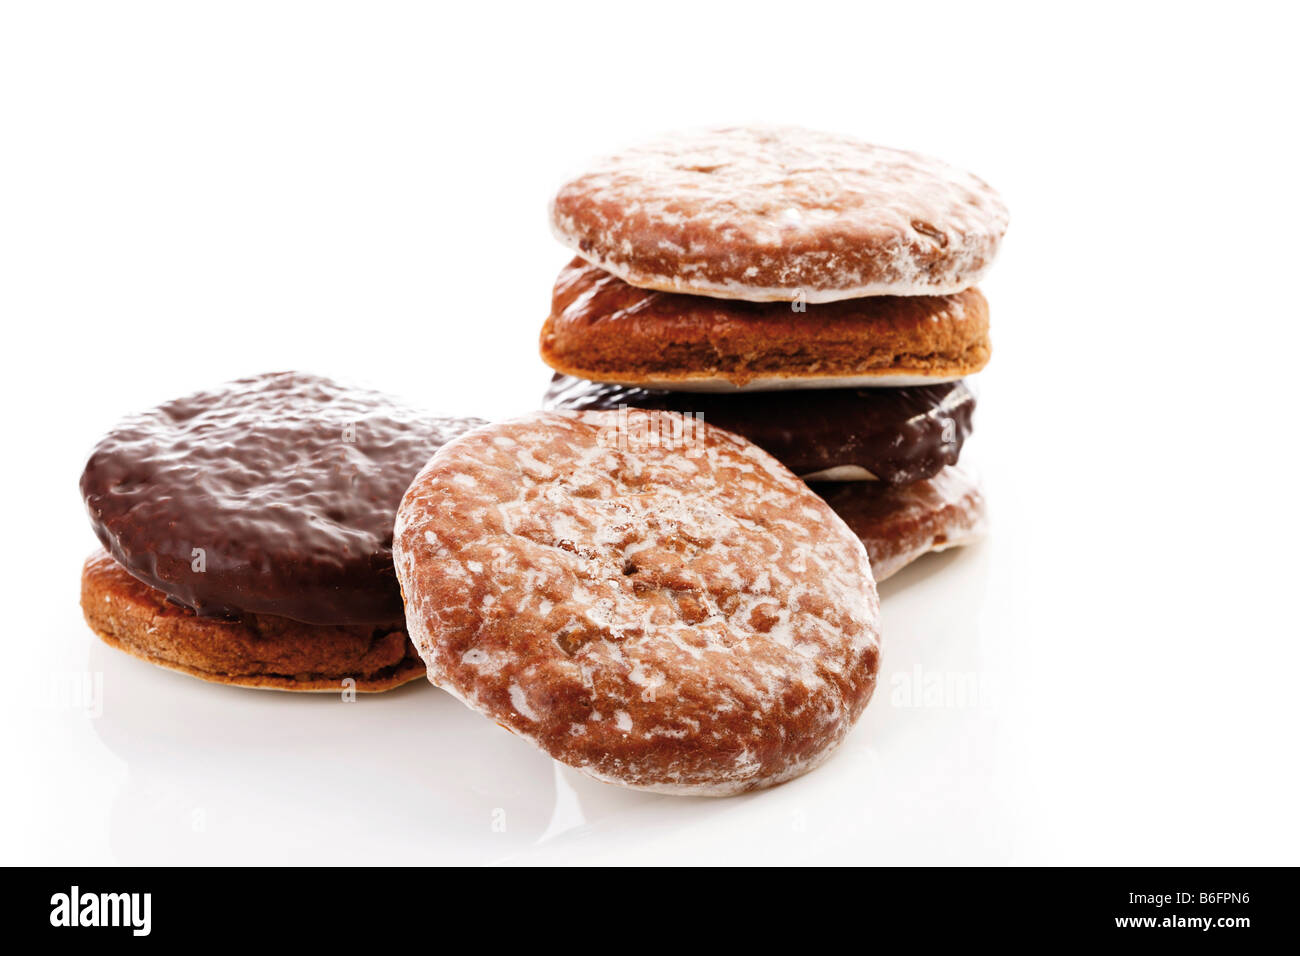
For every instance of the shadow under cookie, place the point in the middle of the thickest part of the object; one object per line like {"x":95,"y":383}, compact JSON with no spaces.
{"x":254,"y":650}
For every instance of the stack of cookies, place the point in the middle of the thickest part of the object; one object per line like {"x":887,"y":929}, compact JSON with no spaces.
{"x":683,"y":616}
{"x":812,"y":293}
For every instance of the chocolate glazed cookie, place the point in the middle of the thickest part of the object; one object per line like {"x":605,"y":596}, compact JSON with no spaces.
{"x":270,"y":495}
{"x":896,"y":435}
{"x":250,"y":529}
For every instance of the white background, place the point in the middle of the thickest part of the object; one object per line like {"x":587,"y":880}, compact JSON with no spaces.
{"x":194,"y":192}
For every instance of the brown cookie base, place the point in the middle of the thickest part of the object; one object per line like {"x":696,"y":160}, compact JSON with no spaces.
{"x":899,"y":524}
{"x":258,"y":650}
{"x":605,"y":330}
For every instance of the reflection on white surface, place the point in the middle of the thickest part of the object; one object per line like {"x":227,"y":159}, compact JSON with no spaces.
{"x":1131,"y":625}
{"x":217,"y":775}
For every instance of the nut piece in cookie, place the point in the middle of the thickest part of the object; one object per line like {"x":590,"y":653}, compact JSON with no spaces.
{"x":656,"y":603}
{"x":779,"y":214}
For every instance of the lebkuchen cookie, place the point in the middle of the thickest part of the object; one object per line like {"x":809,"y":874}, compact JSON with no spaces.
{"x":780,"y":213}
{"x":894,"y":435}
{"x":678,"y":615}
{"x":248,"y":533}
{"x":820,"y":288}
{"x":602,"y":329}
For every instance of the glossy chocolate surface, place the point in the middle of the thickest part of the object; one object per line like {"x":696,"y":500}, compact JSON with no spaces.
{"x":269,"y":495}
{"x":900,"y":435}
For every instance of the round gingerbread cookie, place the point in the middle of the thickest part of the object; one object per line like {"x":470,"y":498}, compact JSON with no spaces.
{"x":781,"y":213}
{"x":602,"y":329}
{"x":249,"y":533}
{"x":894,"y":435}
{"x":659,"y":606}
{"x":268,"y":495}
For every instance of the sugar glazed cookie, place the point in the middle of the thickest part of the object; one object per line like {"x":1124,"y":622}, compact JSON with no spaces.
{"x":250,"y":532}
{"x":779,"y":213}
{"x":901,"y":523}
{"x":666,"y":608}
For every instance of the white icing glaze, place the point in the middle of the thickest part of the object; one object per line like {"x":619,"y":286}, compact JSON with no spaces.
{"x":780,"y":213}
{"x":841,"y":473}
{"x":906,"y":522}
{"x":707,"y":621}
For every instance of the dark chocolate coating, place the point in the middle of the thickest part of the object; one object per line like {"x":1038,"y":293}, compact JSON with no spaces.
{"x":900,"y":435}
{"x":287,"y":482}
